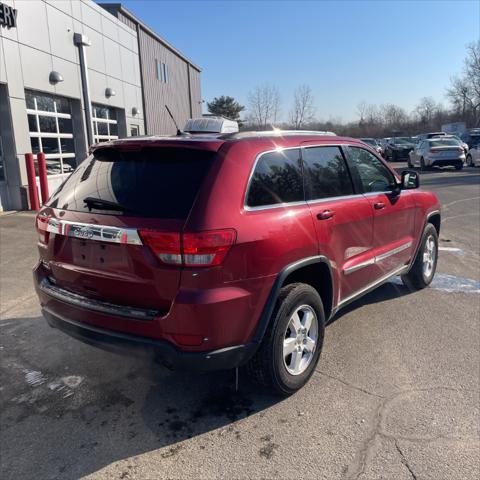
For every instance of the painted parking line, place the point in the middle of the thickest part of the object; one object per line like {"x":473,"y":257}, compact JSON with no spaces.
{"x":459,"y":251}
{"x":450,"y":283}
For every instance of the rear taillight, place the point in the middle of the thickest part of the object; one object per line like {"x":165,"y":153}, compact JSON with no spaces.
{"x":207,"y":248}
{"x":42,"y":224}
{"x":198,"y":249}
{"x":166,"y":246}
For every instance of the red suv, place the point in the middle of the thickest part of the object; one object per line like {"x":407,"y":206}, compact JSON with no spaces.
{"x":229,"y":250}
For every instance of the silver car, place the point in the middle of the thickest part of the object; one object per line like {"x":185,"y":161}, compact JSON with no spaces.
{"x":437,"y":152}
{"x":473,"y":156}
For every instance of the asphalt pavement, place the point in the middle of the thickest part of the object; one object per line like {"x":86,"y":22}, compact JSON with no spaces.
{"x":395,"y":395}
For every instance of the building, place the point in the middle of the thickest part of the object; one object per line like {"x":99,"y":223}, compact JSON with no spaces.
{"x":73,"y":73}
{"x":168,"y":77}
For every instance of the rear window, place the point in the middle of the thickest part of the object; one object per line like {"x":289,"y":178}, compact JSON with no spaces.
{"x":447,"y":142}
{"x":153,"y":182}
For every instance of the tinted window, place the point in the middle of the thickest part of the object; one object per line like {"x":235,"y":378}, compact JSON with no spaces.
{"x":374,"y":176}
{"x":277,"y":179}
{"x":154,"y":182}
{"x":326,"y":174}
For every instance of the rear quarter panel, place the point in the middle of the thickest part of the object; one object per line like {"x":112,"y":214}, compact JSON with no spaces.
{"x":267,"y":240}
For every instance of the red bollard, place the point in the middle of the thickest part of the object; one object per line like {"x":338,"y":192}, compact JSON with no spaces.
{"x":32,"y":182}
{"x":42,"y":174}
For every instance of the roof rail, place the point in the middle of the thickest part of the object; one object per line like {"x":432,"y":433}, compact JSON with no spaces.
{"x":277,"y":133}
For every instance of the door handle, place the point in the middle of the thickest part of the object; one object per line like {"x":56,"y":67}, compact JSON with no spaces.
{"x":379,"y":205}
{"x":326,"y":214}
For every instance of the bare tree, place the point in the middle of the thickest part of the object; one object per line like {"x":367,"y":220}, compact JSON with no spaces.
{"x":362,"y":108}
{"x":264,"y":105}
{"x":303,"y":107}
{"x":426,"y":109}
{"x":464,"y":91}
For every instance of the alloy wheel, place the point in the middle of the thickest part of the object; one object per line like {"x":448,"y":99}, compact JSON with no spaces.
{"x":429,"y":256}
{"x":300,"y":340}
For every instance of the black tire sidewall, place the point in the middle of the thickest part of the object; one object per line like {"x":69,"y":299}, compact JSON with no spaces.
{"x":301,"y":295}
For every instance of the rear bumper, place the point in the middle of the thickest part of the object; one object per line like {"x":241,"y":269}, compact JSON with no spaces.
{"x":165,"y":352}
{"x":444,"y":162}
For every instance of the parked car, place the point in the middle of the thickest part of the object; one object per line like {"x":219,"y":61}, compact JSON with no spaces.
{"x":437,"y":152}
{"x":473,"y":156}
{"x":373,"y":143}
{"x":221,"y":251}
{"x":398,"y":148}
{"x":471,"y":137}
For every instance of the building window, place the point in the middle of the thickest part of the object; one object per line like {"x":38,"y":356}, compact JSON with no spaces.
{"x":51,"y":131}
{"x":134,"y":130}
{"x":165,"y":72}
{"x":105,"y":124}
{"x":161,"y":71}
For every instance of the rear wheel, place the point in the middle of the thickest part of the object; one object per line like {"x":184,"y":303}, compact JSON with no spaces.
{"x":423,"y":167}
{"x":470,"y":161}
{"x":291,"y":347}
{"x":423,"y":269}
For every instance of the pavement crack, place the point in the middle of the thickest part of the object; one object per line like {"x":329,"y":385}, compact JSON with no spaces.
{"x":354,"y":387}
{"x":362,"y":456}
{"x":404,"y":461}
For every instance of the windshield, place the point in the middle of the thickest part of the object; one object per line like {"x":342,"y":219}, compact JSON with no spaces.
{"x":444,"y":142}
{"x":153,"y":182}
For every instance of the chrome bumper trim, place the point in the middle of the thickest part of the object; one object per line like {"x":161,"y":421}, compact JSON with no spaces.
{"x":89,"y":231}
{"x":96,"y":305}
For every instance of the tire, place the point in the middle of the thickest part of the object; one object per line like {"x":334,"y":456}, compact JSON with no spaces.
{"x":470,"y":161}
{"x":418,"y":276}
{"x":409,"y":163}
{"x":423,"y":167}
{"x":269,"y":366}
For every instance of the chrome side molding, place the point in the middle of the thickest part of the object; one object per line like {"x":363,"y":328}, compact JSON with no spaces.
{"x":88,"y":231}
{"x":378,"y":258}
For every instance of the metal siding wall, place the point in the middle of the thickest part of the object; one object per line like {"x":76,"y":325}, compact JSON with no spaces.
{"x":158,"y":94}
{"x":196,"y":92}
{"x":125,"y":20}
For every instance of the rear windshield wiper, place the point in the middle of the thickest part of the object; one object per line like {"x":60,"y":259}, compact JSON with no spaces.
{"x":100,"y":204}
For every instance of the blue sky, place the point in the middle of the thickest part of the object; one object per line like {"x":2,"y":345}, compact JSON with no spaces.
{"x":347,"y":51}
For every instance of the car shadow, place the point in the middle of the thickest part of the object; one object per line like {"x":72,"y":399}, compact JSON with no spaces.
{"x":72,"y":409}
{"x":388,"y":291}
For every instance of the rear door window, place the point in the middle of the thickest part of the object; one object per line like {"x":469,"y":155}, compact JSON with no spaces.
{"x":277,"y":179}
{"x":152,"y":182}
{"x":326,"y":173}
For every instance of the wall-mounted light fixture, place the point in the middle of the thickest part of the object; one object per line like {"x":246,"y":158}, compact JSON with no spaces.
{"x":110,"y":92}
{"x":135,"y":111}
{"x":55,"y":78}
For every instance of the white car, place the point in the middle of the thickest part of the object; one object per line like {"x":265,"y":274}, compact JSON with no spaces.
{"x":437,"y":152}
{"x":473,"y":156}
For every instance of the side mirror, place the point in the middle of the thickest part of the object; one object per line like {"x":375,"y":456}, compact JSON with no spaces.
{"x":410,"y":179}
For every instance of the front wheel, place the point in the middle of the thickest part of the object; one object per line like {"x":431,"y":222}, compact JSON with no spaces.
{"x":423,"y":167}
{"x":470,"y":161}
{"x":423,"y":269}
{"x":291,"y":347}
